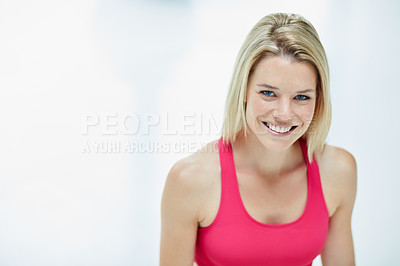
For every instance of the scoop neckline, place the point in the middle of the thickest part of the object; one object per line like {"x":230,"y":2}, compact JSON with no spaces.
{"x":247,"y":214}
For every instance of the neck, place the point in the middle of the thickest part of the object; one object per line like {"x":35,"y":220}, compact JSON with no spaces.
{"x":252,"y":156}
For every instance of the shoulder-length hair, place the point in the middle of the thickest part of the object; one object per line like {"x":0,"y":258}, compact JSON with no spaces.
{"x":290,"y":36}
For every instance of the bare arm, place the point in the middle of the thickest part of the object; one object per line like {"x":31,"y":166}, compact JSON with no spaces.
{"x":339,"y":249}
{"x":178,"y":219}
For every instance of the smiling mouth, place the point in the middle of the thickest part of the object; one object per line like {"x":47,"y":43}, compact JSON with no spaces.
{"x":278,"y":129}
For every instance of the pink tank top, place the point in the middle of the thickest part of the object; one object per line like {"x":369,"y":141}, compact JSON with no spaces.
{"x":235,"y":238}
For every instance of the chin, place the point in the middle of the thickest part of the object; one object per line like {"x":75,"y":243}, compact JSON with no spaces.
{"x":277,"y":146}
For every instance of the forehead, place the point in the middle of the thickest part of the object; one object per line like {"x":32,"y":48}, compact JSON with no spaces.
{"x":284,"y":73}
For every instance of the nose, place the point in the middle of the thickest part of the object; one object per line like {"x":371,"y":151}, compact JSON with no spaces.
{"x":283,"y":110}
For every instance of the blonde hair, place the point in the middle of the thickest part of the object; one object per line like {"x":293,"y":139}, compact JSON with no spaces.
{"x":290,"y":36}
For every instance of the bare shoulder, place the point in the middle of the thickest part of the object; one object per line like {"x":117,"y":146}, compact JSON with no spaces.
{"x":192,"y":178}
{"x":194,"y":170}
{"x":338,"y":171}
{"x":338,"y":161}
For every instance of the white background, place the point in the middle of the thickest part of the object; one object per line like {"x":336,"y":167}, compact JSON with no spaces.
{"x":72,"y":72}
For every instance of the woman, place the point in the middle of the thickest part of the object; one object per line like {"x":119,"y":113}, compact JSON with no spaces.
{"x":272,"y":193}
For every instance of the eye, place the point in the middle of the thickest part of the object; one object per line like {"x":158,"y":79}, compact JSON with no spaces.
{"x":302,"y":97}
{"x":268,"y":93}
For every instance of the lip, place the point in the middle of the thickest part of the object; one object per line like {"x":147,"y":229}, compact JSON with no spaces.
{"x":274,"y":133}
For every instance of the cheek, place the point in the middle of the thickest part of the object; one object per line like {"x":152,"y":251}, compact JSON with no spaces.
{"x":255,"y":108}
{"x":258,"y":106}
{"x":307,"y":113}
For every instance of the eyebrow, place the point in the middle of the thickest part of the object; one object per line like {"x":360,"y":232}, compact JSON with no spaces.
{"x":275,"y":88}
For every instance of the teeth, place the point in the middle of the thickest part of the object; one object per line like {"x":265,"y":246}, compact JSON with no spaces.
{"x":278,"y":129}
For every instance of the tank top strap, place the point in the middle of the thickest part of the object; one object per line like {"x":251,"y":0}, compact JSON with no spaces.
{"x":304,"y":149}
{"x":230,"y":201}
{"x":317,"y":196}
{"x":311,"y":166}
{"x":228,"y":172}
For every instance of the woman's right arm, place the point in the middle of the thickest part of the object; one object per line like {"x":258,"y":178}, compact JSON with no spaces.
{"x":179,"y":218}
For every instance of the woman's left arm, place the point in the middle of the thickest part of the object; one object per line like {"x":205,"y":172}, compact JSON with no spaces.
{"x":339,"y":249}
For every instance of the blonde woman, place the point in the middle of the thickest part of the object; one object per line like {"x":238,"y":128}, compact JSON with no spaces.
{"x":270,"y":191}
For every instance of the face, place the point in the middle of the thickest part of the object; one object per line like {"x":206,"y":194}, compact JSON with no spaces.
{"x":281,"y":97}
